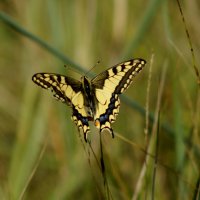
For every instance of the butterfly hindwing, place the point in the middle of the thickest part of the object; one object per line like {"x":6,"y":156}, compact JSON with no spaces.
{"x":81,"y":121}
{"x":69,"y":91}
{"x":108,"y":85}
{"x":107,"y":113}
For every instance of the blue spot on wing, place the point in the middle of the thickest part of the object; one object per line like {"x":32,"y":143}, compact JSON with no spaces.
{"x":109,"y":111}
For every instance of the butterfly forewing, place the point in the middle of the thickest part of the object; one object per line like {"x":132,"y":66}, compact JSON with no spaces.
{"x":64,"y":88}
{"x":108,"y":85}
{"x":118,"y":78}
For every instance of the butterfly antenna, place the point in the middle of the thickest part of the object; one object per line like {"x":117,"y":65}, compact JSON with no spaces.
{"x":92,"y":68}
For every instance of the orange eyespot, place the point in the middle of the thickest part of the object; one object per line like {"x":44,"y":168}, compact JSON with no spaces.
{"x":97,"y":123}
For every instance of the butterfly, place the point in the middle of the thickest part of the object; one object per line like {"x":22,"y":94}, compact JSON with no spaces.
{"x":96,"y":100}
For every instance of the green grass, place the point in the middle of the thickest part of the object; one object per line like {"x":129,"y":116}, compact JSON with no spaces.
{"x":41,"y":154}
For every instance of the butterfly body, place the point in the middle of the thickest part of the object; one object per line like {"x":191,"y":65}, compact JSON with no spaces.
{"x":89,"y":96}
{"x":96,"y":100}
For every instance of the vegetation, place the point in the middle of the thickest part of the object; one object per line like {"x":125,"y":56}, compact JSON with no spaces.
{"x":156,"y":151}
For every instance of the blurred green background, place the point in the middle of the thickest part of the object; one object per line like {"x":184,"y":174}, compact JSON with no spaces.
{"x":41,"y":154}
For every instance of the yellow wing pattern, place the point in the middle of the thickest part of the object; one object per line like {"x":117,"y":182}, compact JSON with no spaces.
{"x":108,"y":85}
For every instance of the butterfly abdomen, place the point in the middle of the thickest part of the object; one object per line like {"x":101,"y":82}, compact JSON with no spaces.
{"x":89,"y":96}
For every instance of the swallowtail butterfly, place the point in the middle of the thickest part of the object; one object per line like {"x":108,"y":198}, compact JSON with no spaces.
{"x":96,"y":100}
